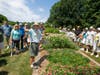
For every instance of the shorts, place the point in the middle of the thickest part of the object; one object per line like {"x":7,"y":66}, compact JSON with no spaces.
{"x":1,"y":45}
{"x":34,"y":49}
{"x":7,"y":38}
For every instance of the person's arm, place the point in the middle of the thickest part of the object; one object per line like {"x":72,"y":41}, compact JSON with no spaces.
{"x":99,"y":40}
{"x":10,"y":41}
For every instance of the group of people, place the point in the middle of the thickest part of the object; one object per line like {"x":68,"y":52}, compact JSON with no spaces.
{"x":21,"y":36}
{"x":88,"y":39}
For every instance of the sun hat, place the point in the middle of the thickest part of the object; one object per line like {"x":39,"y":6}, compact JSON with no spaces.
{"x":86,"y":28}
{"x":25,"y":24}
{"x":91,"y":27}
{"x":16,"y":25}
{"x":36,"y":24}
{"x":98,"y":29}
{"x":73,"y":29}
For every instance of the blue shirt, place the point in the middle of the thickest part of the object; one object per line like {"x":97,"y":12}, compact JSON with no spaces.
{"x":35,"y":35}
{"x":22,"y":31}
{"x":15,"y":34}
{"x":6,"y":29}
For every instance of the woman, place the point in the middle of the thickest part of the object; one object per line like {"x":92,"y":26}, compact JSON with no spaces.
{"x":15,"y":38}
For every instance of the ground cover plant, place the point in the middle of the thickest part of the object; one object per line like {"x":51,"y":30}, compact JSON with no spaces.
{"x":59,"y":42}
{"x":68,"y":62}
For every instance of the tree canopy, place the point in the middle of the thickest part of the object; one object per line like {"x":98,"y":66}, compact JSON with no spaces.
{"x":2,"y":18}
{"x":75,"y":12}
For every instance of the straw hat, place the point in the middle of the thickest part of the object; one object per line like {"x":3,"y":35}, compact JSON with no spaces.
{"x":26,"y":24}
{"x":36,"y":24}
{"x":16,"y":25}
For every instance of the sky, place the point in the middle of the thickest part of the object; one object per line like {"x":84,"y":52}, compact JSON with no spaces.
{"x":26,"y":10}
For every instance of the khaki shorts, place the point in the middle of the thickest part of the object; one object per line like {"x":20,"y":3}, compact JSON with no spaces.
{"x":34,"y":49}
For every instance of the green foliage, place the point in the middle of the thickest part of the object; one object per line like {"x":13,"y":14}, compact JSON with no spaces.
{"x":67,"y":57}
{"x":3,"y":18}
{"x":67,"y":62}
{"x":11,"y":23}
{"x":59,"y":42}
{"x":51,"y":30}
{"x":75,"y":12}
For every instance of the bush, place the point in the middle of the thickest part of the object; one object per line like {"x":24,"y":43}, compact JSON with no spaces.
{"x":59,"y":42}
{"x":51,"y":30}
{"x":67,"y":57}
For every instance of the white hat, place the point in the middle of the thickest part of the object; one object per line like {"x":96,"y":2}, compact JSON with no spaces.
{"x":98,"y":29}
{"x":91,"y":27}
{"x":73,"y":29}
{"x":86,"y":28}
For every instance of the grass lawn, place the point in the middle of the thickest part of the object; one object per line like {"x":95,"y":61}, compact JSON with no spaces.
{"x":16,"y":65}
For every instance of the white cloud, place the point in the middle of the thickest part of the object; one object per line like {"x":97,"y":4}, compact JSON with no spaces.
{"x":17,"y":10}
{"x":41,"y":9}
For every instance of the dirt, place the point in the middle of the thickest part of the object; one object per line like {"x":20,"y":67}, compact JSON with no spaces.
{"x":43,"y":64}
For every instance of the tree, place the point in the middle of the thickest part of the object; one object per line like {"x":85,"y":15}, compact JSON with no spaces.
{"x":3,"y":18}
{"x":75,"y":12}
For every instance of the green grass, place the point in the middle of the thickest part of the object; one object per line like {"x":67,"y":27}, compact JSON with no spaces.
{"x":16,"y":65}
{"x":67,"y":57}
{"x":93,"y":57}
{"x":68,"y":62}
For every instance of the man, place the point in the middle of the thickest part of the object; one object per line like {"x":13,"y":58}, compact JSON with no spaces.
{"x":22,"y":31}
{"x":35,"y":37}
{"x":7,"y":30}
{"x":1,"y":40}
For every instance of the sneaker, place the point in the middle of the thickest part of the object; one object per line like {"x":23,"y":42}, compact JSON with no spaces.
{"x":97,"y":56}
{"x":86,"y":51}
{"x":35,"y":67}
{"x":92,"y":54}
{"x":82,"y":49}
{"x":31,"y":65}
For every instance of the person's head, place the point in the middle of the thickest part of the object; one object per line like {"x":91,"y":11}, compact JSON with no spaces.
{"x":5,"y":22}
{"x":21,"y":25}
{"x":16,"y":26}
{"x":91,"y":28}
{"x":73,"y":29}
{"x":86,"y":29}
{"x":36,"y":25}
{"x":27,"y":26}
{"x":78,"y":27}
{"x":41,"y":24}
{"x":98,"y":29}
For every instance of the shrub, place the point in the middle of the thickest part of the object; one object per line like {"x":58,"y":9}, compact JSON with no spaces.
{"x":51,"y":30}
{"x":59,"y":42}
